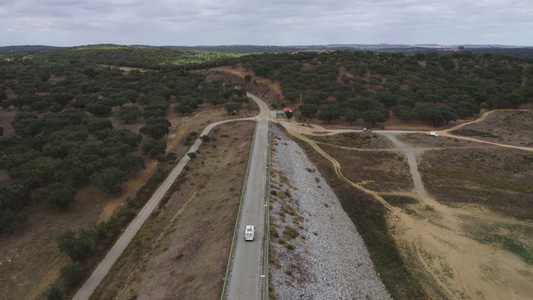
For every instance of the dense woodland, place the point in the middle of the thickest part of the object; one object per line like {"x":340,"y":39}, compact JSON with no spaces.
{"x":63,"y":136}
{"x":370,"y":86}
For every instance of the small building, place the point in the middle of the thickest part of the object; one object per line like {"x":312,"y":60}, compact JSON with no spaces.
{"x":288,"y":109}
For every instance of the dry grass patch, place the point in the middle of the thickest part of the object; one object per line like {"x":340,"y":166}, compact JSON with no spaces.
{"x":355,"y":140}
{"x":508,"y":127}
{"x":501,"y":179}
{"x":426,"y":140}
{"x":378,"y":171}
{"x":190,"y":259}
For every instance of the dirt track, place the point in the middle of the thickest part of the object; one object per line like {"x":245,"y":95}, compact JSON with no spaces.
{"x":433,"y":239}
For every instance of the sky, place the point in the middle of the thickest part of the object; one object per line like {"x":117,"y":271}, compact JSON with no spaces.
{"x":265,"y":22}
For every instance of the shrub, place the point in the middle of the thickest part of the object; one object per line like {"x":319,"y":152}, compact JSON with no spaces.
{"x":189,"y":278}
{"x":72,"y":273}
{"x":290,"y":232}
{"x":290,"y":246}
{"x":55,"y":293}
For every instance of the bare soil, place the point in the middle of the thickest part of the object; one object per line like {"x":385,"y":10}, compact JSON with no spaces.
{"x":182,"y":252}
{"x":458,"y":229}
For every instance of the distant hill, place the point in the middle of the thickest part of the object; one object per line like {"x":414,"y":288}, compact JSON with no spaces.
{"x":27,"y":49}
{"x":520,"y":52}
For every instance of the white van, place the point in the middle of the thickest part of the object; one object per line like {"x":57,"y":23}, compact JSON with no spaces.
{"x":249,"y":233}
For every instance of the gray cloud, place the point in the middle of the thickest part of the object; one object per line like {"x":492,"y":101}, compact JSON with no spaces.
{"x":270,"y":22}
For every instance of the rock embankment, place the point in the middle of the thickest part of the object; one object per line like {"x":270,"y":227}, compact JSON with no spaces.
{"x":316,"y":251}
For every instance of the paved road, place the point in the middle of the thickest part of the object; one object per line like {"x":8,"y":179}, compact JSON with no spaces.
{"x":245,"y":281}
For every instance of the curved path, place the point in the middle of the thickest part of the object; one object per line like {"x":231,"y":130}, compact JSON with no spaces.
{"x":446,"y":132}
{"x":105,"y":265}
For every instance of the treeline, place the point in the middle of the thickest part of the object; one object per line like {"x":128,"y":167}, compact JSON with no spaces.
{"x":369,"y":86}
{"x":63,"y":134}
{"x":242,"y":49}
{"x":153,"y":58}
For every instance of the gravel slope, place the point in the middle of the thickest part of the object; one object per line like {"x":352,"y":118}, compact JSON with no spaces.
{"x":329,"y":259}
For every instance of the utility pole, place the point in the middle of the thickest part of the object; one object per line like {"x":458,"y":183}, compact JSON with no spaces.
{"x":301,"y":99}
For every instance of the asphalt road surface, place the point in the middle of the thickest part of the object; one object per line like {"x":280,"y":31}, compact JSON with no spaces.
{"x":245,"y":280}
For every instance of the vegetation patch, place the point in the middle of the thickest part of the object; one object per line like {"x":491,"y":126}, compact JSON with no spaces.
{"x":369,"y":216}
{"x":499,"y":179}
{"x":355,"y":140}
{"x":379,"y":171}
{"x":513,"y":238}
{"x":400,"y":201}
{"x":510,"y":127}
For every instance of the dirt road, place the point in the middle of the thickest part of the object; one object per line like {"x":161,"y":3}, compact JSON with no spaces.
{"x":434,"y":239}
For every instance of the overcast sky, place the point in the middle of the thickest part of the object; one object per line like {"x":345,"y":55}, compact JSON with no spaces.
{"x":265,"y":22}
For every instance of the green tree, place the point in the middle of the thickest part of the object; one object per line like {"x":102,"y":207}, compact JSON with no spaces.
{"x":405,"y":113}
{"x":373,"y":81}
{"x":99,"y":109}
{"x":97,"y":124}
{"x":435,"y":113}
{"x":329,"y":114}
{"x":128,"y":114}
{"x":109,"y":180}
{"x":72,"y":273}
{"x":129,"y":163}
{"x":155,"y":131}
{"x":154,"y":148}
{"x":55,"y":293}
{"x":77,"y":247}
{"x":288,"y":114}
{"x":55,"y":107}
{"x":374,"y":116}
{"x":232,"y":108}
{"x":7,"y":216}
{"x":308,"y":110}
{"x":56,"y":194}
{"x":351,"y":116}
{"x":183,"y":109}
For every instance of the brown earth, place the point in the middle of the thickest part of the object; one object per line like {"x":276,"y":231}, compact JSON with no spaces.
{"x":182,"y":251}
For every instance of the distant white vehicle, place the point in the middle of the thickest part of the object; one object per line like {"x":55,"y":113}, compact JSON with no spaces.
{"x":433,"y":133}
{"x":249,"y":233}
{"x":367,"y":129}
